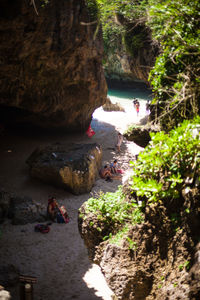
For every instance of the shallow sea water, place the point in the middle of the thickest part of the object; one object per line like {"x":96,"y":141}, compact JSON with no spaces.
{"x":121,"y":120}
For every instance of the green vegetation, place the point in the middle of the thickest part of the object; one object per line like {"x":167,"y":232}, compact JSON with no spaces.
{"x":111,"y":208}
{"x":185,"y":265}
{"x":93,"y":10}
{"x":134,"y":41}
{"x":175,"y":77}
{"x":44,"y":2}
{"x":173,"y":155}
{"x":116,"y":239}
{"x":169,"y":159}
{"x":115,"y":16}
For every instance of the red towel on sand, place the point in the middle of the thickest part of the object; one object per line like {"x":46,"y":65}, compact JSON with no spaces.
{"x":120,"y":171}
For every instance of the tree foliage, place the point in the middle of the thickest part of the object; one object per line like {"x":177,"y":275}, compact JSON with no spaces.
{"x":169,"y":161}
{"x":175,"y":78}
{"x":176,"y":75}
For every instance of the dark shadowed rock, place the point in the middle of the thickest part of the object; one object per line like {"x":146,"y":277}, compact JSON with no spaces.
{"x":4,"y":205}
{"x":70,"y":166}
{"x":150,"y":261}
{"x":139,"y":135}
{"x":24,"y":210}
{"x":9,"y":276}
{"x":50,"y":64}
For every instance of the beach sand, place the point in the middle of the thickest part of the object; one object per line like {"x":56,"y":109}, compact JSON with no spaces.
{"x":59,"y":259}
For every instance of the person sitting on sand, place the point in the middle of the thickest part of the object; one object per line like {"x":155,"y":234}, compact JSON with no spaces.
{"x":105,"y":173}
{"x":52,"y":208}
{"x":113,"y":167}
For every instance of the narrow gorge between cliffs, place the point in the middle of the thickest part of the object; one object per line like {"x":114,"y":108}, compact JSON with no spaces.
{"x":59,"y":259}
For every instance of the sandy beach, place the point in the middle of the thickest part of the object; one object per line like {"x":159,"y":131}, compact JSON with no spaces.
{"x":59,"y":259}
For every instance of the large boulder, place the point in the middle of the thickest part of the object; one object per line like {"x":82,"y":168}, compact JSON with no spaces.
{"x":140,"y":134}
{"x":70,"y":166}
{"x":157,"y":259}
{"x":50,"y":64}
{"x":4,"y":205}
{"x":24,"y":210}
{"x":20,"y":209}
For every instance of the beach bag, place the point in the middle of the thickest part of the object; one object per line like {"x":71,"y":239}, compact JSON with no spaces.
{"x":59,"y":218}
{"x":43,"y":228}
{"x":64,"y":214}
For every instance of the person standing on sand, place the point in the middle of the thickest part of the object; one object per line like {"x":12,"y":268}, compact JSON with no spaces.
{"x":137,"y":107}
{"x":148,"y":107}
{"x":119,"y":141}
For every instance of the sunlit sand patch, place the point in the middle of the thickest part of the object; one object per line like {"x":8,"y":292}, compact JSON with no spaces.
{"x":121,"y":120}
{"x":95,"y":279}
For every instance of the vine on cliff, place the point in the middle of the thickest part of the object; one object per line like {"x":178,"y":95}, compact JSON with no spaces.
{"x":176,"y":75}
{"x":168,"y":163}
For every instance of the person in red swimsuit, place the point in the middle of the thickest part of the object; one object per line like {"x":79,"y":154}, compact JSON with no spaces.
{"x":52,"y":208}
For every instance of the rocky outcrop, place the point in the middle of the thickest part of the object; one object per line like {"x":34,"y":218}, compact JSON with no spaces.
{"x":50,"y":64}
{"x":9,"y":276}
{"x":140,"y":134}
{"x":157,"y":259}
{"x":132,"y":59}
{"x":74,"y":167}
{"x":24,"y":210}
{"x":21,"y":210}
{"x":109,"y":106}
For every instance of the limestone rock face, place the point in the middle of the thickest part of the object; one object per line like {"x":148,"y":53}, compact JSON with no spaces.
{"x":152,"y":260}
{"x":50,"y":64}
{"x":73,"y":167}
{"x":109,"y":106}
{"x":24,"y":210}
{"x":140,"y":135}
{"x":132,"y":61}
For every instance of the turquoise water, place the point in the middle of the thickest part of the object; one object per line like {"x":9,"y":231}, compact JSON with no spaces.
{"x":124,"y":97}
{"x":130,"y":94}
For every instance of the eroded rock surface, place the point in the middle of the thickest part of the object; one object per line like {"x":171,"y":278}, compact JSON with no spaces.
{"x":109,"y":106}
{"x":157,"y":259}
{"x":71,"y":166}
{"x":140,"y":135}
{"x":50,"y":64}
{"x":20,"y":209}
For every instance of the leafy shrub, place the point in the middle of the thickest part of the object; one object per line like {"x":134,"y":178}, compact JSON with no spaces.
{"x":112,"y":208}
{"x":92,"y":9}
{"x":166,"y":162}
{"x":175,"y":76}
{"x":134,"y":41}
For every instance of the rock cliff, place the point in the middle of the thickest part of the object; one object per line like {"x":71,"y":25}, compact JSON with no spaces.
{"x":50,"y":64}
{"x":131,"y":59}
